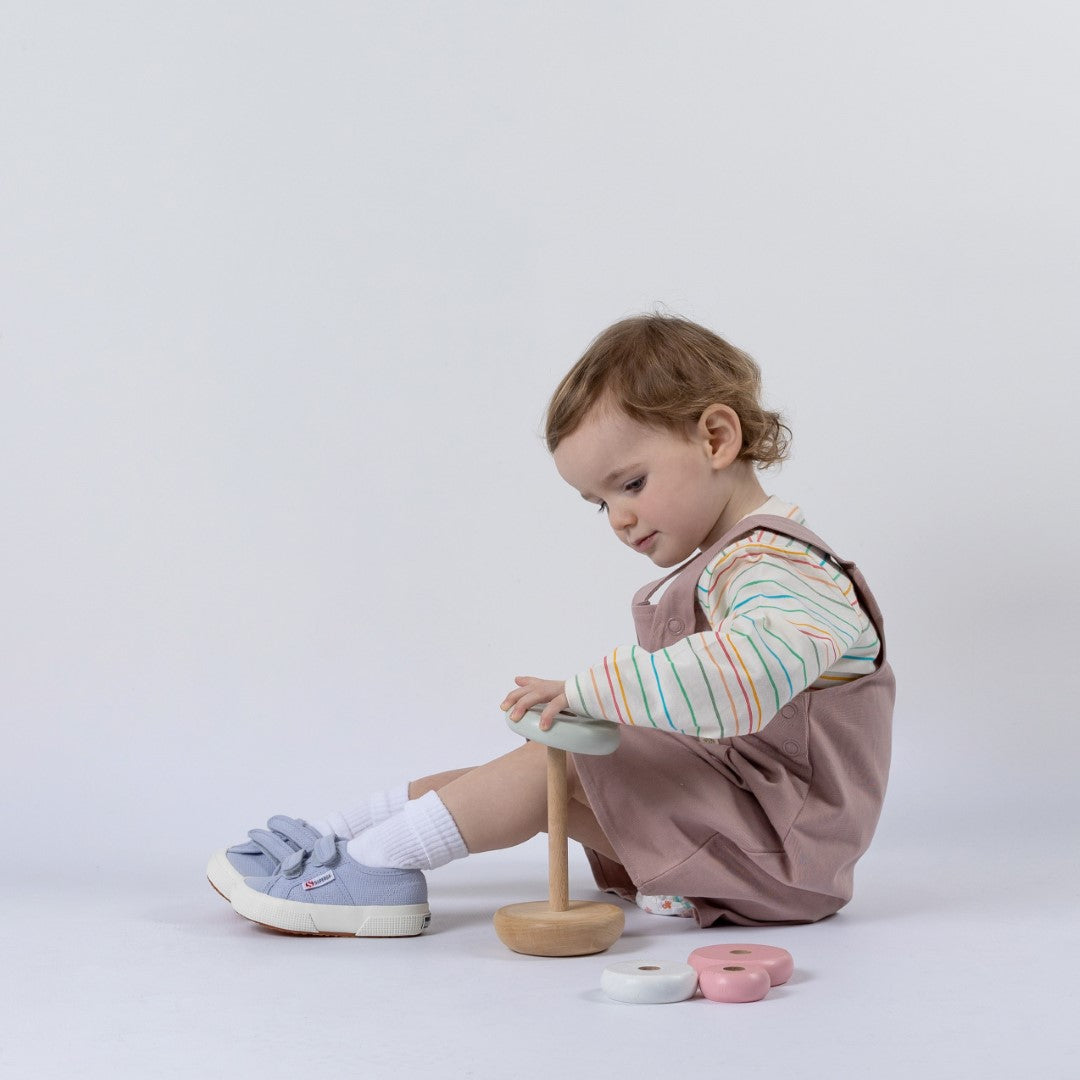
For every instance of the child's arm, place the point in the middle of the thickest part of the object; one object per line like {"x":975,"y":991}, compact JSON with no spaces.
{"x":781,"y":621}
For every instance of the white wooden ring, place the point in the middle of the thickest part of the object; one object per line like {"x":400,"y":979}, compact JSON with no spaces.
{"x":649,"y":982}
{"x":578,"y":734}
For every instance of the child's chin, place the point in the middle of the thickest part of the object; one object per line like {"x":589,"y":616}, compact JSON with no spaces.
{"x":664,"y":560}
{"x":666,"y":557}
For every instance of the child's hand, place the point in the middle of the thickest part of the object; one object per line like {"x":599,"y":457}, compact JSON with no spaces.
{"x":532,"y":692}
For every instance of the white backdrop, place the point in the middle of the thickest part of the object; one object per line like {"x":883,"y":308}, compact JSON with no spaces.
{"x":284,"y":289}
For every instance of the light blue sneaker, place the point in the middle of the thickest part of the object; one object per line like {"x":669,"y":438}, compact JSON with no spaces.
{"x":262,"y":854}
{"x":328,"y":892}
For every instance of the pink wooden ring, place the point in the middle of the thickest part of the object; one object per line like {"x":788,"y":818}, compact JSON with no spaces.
{"x":734,"y":982}
{"x":777,"y":962}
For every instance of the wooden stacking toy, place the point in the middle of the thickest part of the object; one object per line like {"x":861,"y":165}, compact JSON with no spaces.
{"x":560,"y":926}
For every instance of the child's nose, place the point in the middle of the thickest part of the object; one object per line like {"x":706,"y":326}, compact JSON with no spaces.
{"x":621,"y":517}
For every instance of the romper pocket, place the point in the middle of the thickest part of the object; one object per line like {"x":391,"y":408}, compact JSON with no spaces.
{"x":771,"y":770}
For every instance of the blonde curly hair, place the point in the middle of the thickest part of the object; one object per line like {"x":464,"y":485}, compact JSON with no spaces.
{"x":664,"y":371}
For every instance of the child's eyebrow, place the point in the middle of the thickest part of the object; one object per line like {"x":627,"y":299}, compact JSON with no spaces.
{"x":620,"y":471}
{"x":612,"y":476}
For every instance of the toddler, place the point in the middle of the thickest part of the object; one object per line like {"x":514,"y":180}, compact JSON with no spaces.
{"x":757,"y":702}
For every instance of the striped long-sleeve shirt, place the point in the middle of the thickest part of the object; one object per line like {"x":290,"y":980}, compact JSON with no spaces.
{"x":782,"y":618}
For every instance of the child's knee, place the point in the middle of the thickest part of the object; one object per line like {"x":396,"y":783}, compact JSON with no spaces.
{"x":533,"y":756}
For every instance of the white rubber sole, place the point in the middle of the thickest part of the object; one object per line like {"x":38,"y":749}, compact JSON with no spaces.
{"x":223,"y":875}
{"x":336,"y":920}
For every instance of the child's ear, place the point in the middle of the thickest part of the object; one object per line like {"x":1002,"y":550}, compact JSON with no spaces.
{"x":720,"y":430}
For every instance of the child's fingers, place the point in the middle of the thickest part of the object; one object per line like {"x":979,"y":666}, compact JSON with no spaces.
{"x":533,"y":692}
{"x":555,"y":706}
{"x":524,"y":705}
{"x":530,"y":701}
{"x":522,"y":688}
{"x":512,"y":699}
{"x":513,"y":695}
{"x":518,"y":702}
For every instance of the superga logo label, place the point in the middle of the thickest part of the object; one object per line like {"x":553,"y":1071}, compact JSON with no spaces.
{"x":322,"y":879}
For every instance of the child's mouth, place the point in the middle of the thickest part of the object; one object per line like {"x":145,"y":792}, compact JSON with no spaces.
{"x":645,"y":541}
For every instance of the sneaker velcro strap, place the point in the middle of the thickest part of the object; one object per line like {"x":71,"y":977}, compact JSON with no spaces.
{"x":298,"y":832}
{"x":271,"y":844}
{"x":294,"y":863}
{"x":325,"y":852}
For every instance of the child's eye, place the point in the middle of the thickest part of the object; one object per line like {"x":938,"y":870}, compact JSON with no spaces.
{"x":635,"y":485}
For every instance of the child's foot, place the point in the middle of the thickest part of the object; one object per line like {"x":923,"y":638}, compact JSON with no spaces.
{"x":262,"y":854}
{"x":328,"y":892}
{"x":678,"y":906}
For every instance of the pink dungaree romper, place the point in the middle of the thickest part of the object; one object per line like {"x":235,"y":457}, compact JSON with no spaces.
{"x":751,"y":829}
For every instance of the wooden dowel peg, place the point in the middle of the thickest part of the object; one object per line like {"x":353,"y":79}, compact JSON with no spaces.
{"x":561,"y":926}
{"x":557,"y":807}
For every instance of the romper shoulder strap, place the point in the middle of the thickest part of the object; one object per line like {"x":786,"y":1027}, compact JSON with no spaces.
{"x":776,"y":524}
{"x":741,"y":529}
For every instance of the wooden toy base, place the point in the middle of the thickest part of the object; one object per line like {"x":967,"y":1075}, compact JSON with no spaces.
{"x":536,"y":930}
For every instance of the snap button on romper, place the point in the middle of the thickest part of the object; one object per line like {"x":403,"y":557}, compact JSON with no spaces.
{"x":755,"y":828}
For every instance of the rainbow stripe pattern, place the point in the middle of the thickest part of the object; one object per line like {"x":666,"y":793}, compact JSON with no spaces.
{"x":783,"y":619}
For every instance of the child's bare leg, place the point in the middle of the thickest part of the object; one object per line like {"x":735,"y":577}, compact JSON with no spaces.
{"x":435,"y":782}
{"x":504,"y":802}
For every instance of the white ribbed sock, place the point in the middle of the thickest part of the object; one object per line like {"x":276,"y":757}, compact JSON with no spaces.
{"x":346,"y":824}
{"x":422,"y":836}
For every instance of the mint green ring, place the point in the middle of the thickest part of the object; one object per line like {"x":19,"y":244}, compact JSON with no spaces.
{"x":577,"y":734}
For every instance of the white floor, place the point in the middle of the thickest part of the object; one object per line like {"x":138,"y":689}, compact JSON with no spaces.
{"x":950,"y":962}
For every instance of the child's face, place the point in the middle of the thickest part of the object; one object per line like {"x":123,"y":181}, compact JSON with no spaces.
{"x":665,"y":494}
